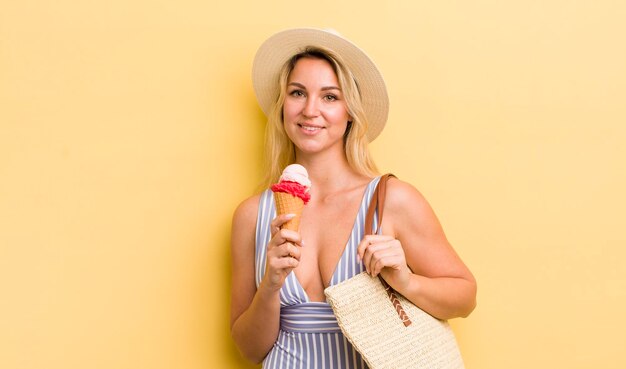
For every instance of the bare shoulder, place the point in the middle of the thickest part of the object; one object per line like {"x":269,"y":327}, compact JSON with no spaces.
{"x":247,"y":208}
{"x":402,"y":196}
{"x":244,"y":217}
{"x":405,"y":206}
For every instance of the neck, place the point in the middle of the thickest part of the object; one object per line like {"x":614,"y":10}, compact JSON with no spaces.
{"x":328,"y":173}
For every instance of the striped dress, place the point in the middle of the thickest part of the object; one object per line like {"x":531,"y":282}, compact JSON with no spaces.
{"x":309,"y":336}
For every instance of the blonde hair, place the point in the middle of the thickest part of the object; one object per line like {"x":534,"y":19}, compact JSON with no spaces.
{"x":280,"y":151}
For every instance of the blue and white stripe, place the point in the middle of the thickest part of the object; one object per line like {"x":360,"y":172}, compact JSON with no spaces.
{"x":309,"y":336}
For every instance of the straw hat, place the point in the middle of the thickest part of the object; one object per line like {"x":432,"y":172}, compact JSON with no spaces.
{"x":279,"y":48}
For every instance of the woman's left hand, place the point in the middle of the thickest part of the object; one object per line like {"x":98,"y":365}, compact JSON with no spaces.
{"x":382,"y":254}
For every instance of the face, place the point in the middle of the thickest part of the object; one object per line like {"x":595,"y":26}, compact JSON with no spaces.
{"x":314,"y":112}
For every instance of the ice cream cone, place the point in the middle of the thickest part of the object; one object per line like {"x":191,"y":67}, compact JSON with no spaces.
{"x":289,"y":204}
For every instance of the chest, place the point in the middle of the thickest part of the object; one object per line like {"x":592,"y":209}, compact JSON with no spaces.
{"x":329,"y":226}
{"x":326,"y":228}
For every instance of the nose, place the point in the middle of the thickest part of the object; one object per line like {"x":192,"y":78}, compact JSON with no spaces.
{"x":311,"y":108}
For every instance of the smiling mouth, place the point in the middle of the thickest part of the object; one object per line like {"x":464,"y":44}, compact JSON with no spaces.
{"x":310,"y":128}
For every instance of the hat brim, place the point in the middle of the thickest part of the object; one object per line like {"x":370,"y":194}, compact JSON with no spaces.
{"x":279,"y":48}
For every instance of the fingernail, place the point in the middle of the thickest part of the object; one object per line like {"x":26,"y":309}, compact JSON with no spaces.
{"x":290,"y":216}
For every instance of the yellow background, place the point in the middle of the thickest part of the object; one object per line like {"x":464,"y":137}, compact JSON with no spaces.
{"x":129,"y":132}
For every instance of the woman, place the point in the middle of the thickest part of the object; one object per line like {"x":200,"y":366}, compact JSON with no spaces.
{"x":325,"y":101}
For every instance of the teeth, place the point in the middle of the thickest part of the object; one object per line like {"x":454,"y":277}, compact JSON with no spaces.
{"x":309,"y":128}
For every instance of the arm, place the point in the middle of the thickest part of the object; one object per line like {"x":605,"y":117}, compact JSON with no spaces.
{"x":255,"y":314}
{"x":415,"y":257}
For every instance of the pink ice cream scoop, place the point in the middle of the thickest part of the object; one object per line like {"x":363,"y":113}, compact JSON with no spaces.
{"x":291,"y":193}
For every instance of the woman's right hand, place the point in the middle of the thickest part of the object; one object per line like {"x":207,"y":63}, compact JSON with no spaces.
{"x":283,"y":253}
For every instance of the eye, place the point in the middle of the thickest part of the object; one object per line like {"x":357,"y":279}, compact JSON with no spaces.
{"x":297,"y":93}
{"x":330,"y":97}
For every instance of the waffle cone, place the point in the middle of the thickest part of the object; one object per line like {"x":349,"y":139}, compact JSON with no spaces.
{"x":289,"y":204}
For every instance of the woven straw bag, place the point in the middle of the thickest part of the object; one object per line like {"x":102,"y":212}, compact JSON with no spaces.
{"x":387,"y":329}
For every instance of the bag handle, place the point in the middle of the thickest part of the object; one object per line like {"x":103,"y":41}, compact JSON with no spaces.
{"x":378,"y":201}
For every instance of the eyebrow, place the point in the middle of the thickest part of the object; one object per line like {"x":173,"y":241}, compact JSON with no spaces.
{"x":325,"y":88}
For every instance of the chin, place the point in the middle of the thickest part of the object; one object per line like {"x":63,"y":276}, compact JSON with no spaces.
{"x":312,"y":145}
{"x":314,"y":148}
{"x":309,"y":149}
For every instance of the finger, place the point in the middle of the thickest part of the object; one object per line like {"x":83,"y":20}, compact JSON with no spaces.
{"x":294,"y":251}
{"x":279,"y":221}
{"x":388,"y":260}
{"x":293,"y":263}
{"x":283,"y":263}
{"x":371,"y":240}
{"x":289,"y":263}
{"x":370,"y":253}
{"x":286,"y":250}
{"x":285,"y":235}
{"x":290,"y":250}
{"x":390,"y":257}
{"x":279,"y":251}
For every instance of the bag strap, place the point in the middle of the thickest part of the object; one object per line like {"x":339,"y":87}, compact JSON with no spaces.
{"x":378,"y":201}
